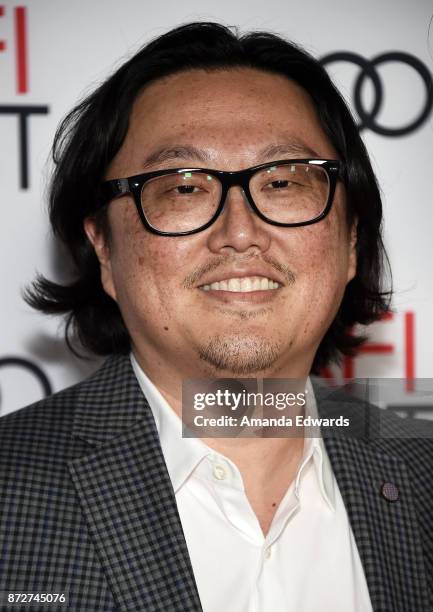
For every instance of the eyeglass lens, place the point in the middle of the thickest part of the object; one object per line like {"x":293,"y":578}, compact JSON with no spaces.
{"x":286,"y":193}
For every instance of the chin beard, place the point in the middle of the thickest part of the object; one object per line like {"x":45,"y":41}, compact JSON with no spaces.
{"x":239,"y":355}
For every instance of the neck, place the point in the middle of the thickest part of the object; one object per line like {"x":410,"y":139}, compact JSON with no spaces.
{"x":267,"y":465}
{"x":168,"y":373}
{"x":262,"y":459}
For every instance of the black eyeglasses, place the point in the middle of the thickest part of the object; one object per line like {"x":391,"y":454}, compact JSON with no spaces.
{"x":182,"y":201}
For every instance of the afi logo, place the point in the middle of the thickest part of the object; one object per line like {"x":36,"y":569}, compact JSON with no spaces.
{"x":19,"y":46}
{"x":17,"y":49}
{"x":348,"y":365}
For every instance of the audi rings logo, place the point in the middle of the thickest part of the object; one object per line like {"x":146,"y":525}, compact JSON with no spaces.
{"x":368,"y":71}
{"x":28,"y":367}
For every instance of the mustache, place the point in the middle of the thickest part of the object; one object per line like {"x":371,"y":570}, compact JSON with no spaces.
{"x":193,"y":279}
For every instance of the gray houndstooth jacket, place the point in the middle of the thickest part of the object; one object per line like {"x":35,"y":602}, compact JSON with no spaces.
{"x":87,"y":506}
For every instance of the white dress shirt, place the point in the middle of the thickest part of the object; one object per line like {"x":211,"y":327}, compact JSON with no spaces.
{"x":307,"y":562}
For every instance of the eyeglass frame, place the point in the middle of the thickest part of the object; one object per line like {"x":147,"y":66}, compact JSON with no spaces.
{"x":115,"y":188}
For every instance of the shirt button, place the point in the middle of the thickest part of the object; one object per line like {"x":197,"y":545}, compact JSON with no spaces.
{"x":268,"y":552}
{"x":219,"y":472}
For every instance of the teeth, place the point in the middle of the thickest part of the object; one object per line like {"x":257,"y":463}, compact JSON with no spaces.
{"x":246,"y":284}
{"x":256,"y":284}
{"x":234,"y":284}
{"x":243,"y":285}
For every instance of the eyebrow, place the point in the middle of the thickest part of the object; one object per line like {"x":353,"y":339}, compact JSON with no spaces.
{"x":177,"y":152}
{"x":293,"y":149}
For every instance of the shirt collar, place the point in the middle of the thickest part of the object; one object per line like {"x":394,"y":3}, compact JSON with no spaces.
{"x":315,"y":447}
{"x":183,"y":455}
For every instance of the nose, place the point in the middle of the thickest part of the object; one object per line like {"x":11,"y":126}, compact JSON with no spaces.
{"x":238,"y":228}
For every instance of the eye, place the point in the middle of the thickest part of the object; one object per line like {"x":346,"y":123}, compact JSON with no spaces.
{"x":186,"y":189}
{"x":280,"y":184}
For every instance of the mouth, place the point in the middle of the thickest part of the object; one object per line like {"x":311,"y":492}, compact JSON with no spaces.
{"x":246,"y":284}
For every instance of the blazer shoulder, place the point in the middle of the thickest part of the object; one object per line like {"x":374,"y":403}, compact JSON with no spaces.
{"x":409,"y":439}
{"x":42,"y":428}
{"x":45,"y":428}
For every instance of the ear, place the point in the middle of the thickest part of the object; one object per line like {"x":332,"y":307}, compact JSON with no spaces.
{"x":102,"y":250}
{"x":353,"y":239}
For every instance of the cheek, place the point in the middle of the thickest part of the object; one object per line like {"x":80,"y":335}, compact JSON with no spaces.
{"x":128,"y":252}
{"x":147,"y":269}
{"x":320,"y":258}
{"x":321,"y":250}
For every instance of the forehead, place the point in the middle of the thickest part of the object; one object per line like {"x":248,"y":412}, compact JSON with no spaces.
{"x":231,"y":114}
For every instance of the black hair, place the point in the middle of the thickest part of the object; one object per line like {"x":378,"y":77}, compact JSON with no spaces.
{"x":93,"y":132}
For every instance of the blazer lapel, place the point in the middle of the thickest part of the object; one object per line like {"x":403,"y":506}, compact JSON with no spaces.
{"x":127,"y":497}
{"x":386,"y":532}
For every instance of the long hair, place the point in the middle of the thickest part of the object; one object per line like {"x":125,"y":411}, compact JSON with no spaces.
{"x":93,"y":132}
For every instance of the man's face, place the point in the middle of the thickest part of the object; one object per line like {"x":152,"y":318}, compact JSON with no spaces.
{"x":229,"y":118}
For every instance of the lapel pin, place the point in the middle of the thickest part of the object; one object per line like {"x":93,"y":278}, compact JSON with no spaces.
{"x":390,"y":491}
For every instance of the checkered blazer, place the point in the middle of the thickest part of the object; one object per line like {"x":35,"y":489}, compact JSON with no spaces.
{"x":87,"y":507}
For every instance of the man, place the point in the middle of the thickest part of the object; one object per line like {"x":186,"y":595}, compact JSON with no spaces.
{"x":224,"y":220}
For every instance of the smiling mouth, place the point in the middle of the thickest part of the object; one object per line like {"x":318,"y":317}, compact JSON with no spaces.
{"x":246,"y":284}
